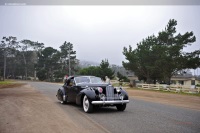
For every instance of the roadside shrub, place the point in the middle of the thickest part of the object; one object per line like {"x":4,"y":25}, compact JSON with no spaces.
{"x":130,"y":85}
{"x":41,"y":74}
{"x":126,"y":79}
{"x":58,"y":80}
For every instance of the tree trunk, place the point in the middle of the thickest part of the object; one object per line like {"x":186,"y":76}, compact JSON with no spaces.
{"x":169,"y":80}
{"x":25,"y":67}
{"x":154,"y":81}
{"x":51,"y":75}
{"x":148,"y":80}
{"x":4,"y":71}
{"x":35,"y":74}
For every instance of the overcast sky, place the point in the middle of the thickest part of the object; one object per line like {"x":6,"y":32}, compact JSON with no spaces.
{"x":97,"y":32}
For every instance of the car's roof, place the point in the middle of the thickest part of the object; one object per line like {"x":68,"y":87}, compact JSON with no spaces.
{"x":71,"y":77}
{"x":88,"y":84}
{"x":82,"y":76}
{"x":93,"y":84}
{"x":85,"y":76}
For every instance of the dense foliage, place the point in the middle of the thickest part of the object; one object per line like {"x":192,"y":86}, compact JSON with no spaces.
{"x":27,"y":59}
{"x":158,"y":58}
{"x":122,"y":78}
{"x":99,"y":71}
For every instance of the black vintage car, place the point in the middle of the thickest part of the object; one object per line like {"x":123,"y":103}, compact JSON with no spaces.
{"x":91,"y":92}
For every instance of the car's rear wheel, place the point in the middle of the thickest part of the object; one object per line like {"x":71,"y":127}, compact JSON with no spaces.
{"x":61,"y":98}
{"x":63,"y":102}
{"x":87,"y":106}
{"x":121,"y":107}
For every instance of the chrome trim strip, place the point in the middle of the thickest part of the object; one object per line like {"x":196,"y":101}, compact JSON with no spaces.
{"x":64,"y":97}
{"x":110,"y":102}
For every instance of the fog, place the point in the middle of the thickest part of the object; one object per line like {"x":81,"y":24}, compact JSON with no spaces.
{"x":97,"y":32}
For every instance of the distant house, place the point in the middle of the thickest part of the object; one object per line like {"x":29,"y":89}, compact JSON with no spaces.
{"x":188,"y":80}
{"x":133,"y":79}
{"x":185,"y":80}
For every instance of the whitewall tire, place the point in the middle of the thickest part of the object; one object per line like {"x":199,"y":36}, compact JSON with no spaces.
{"x":87,"y":106}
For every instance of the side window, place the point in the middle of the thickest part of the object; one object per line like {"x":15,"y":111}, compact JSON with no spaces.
{"x":71,"y":83}
{"x":181,"y":82}
{"x":66,"y":83}
{"x":192,"y":82}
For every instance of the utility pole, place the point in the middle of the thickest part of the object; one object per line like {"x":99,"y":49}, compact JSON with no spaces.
{"x":69,"y":63}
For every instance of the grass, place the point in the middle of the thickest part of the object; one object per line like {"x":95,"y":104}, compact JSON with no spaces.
{"x":123,"y":85}
{"x":6,"y":82}
{"x":9,"y":84}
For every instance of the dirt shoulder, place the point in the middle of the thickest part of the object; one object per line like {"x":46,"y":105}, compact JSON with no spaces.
{"x":11,"y":85}
{"x":24,"y":110}
{"x":187,"y":101}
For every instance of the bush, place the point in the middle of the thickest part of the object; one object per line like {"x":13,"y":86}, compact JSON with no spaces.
{"x":131,"y":85}
{"x":122,"y":78}
{"x":28,"y":78}
{"x":41,"y":74}
{"x":58,"y":80}
{"x":126,"y":79}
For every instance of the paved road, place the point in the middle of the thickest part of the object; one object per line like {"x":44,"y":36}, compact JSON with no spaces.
{"x":139,"y":117}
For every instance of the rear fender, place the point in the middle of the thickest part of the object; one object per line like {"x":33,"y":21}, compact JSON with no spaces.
{"x":63,"y":90}
{"x":60,"y":93}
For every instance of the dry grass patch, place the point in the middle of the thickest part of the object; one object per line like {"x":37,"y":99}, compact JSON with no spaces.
{"x":10,"y":84}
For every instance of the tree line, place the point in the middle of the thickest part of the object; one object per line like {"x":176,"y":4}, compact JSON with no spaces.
{"x":28,"y":58}
{"x":100,"y":71}
{"x":158,"y":58}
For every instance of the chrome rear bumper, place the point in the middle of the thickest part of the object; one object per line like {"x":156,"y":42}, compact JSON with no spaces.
{"x":110,"y":102}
